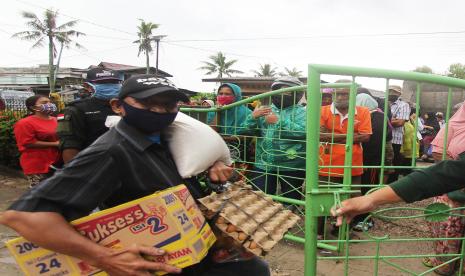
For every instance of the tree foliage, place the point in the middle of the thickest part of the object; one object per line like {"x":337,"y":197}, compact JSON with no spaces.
{"x":48,"y":31}
{"x":294,"y":72}
{"x":423,"y":69}
{"x":9,"y":155}
{"x":219,"y":65}
{"x":265,"y":70}
{"x":456,"y":70}
{"x":144,"y":32}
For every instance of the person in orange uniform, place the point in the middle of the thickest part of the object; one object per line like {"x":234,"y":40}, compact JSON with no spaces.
{"x":335,"y":119}
{"x":37,"y":139}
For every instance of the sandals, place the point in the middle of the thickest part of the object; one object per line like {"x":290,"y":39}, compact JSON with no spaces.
{"x":427,"y":262}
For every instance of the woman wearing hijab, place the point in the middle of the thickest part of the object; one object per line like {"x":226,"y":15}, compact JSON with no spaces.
{"x":37,"y":139}
{"x":210,"y":115}
{"x":230,"y":121}
{"x":454,"y":226}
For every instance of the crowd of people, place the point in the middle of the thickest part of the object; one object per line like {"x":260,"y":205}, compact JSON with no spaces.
{"x":101,"y":167}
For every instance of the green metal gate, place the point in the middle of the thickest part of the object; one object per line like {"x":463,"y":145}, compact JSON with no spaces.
{"x":317,"y":199}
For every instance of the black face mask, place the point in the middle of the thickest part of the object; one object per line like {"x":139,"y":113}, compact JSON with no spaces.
{"x":285,"y":100}
{"x":147,"y":121}
{"x":393,"y":98}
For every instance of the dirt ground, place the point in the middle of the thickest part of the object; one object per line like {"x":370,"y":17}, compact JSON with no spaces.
{"x":287,"y":259}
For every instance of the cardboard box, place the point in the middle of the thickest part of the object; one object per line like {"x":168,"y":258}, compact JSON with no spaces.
{"x":169,"y":219}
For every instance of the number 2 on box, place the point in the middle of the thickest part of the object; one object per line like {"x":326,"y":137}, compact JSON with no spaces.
{"x":157,"y":225}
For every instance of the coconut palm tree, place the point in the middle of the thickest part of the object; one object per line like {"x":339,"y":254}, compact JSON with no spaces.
{"x":145,"y":40}
{"x":219,"y":65}
{"x":47,"y":30}
{"x":265,"y":70}
{"x":294,"y":72}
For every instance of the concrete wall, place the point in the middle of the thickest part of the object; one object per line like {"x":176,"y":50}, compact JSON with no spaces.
{"x":433,"y":98}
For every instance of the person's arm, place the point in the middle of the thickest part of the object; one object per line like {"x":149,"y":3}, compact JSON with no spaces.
{"x":398,"y":122}
{"x":254,"y":119}
{"x":219,"y":172}
{"x":41,"y":215}
{"x":363,"y":204}
{"x":420,"y":125}
{"x":71,"y":131}
{"x":441,"y":178}
{"x":402,"y":115}
{"x":435,"y":180}
{"x":50,"y":230}
{"x":68,"y":154}
{"x":362,"y":132}
{"x":341,"y":138}
{"x":42,"y":144}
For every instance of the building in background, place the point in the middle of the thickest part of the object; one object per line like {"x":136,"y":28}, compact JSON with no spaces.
{"x":250,"y":86}
{"x":69,"y":79}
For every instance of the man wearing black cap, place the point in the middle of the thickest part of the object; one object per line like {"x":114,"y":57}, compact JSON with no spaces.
{"x":84,"y":120}
{"x":129,"y":161}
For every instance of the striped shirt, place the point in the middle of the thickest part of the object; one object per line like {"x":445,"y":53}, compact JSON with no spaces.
{"x":399,"y":110}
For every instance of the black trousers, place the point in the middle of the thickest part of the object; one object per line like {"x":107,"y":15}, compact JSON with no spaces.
{"x":397,"y":161}
{"x":255,"y":266}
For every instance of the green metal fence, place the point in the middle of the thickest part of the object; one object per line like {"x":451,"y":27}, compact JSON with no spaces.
{"x":299,"y":187}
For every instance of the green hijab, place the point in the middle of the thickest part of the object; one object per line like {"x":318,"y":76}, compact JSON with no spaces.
{"x":232,"y":119}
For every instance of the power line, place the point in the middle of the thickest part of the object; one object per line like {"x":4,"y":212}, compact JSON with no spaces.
{"x":214,"y":51}
{"x":110,"y":37}
{"x":318,"y":36}
{"x":228,"y":53}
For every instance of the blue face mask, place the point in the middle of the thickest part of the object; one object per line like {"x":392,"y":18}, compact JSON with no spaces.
{"x":147,"y":121}
{"x":106,"y":91}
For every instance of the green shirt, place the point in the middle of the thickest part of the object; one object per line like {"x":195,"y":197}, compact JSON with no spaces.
{"x":444,"y":177}
{"x":281,"y":144}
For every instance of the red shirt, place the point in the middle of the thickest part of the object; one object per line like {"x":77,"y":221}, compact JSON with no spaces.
{"x":334,"y":154}
{"x":30,"y":130}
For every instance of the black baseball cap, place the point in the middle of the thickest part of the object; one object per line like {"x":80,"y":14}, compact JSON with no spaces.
{"x":143,"y":86}
{"x":99,"y":74}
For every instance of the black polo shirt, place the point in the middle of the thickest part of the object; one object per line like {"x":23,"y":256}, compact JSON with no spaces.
{"x":120,"y":166}
{"x":83,"y":122}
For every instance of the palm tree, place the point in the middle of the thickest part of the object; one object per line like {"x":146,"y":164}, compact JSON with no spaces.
{"x":218,"y":64}
{"x":265,"y":71}
{"x":145,"y":40}
{"x":47,"y":29}
{"x":294,"y":72}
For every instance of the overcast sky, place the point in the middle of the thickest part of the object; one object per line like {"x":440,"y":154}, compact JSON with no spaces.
{"x":282,"y":33}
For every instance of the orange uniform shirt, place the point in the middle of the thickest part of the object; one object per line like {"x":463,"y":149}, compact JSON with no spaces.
{"x":334,"y":154}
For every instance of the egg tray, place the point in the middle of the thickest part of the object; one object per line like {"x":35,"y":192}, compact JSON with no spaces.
{"x":250,"y":217}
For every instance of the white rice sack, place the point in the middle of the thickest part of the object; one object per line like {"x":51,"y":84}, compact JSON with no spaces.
{"x":194,"y":145}
{"x":112,"y":120}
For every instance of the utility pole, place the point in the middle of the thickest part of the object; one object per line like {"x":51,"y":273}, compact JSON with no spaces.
{"x":157,"y":39}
